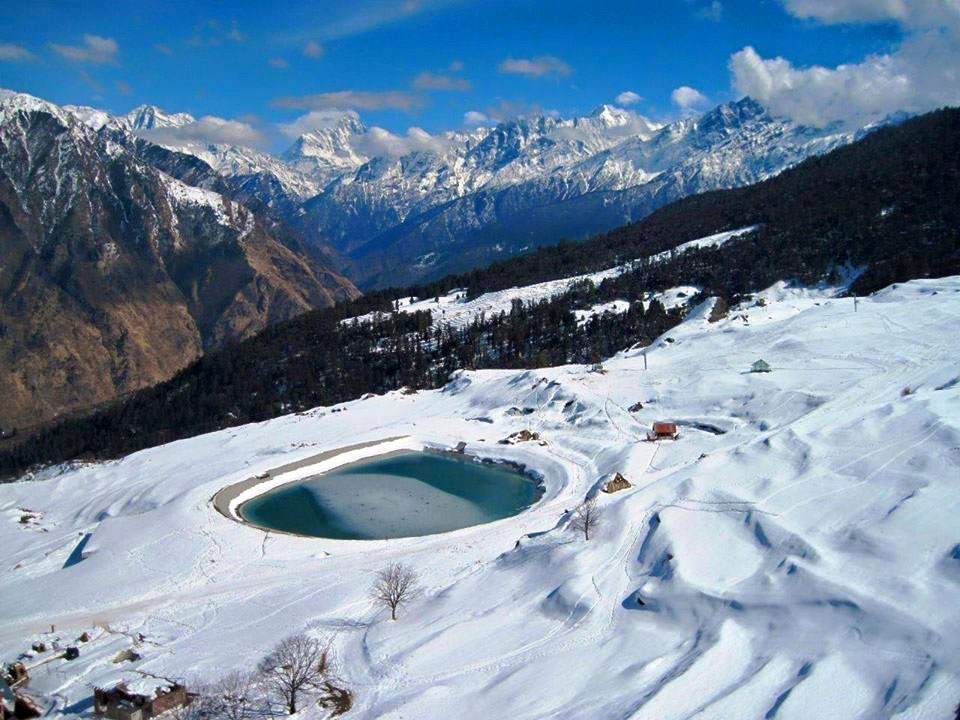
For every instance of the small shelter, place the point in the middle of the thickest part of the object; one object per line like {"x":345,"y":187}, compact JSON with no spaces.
{"x":121,"y":704}
{"x":760,"y":366}
{"x":664,"y":431}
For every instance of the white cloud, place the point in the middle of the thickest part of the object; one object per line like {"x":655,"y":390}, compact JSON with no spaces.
{"x":313,"y":50}
{"x":165,"y":49}
{"x":456,"y":66}
{"x":278,"y":62}
{"x":628,"y":97}
{"x":430,"y":81}
{"x":535,"y":67}
{"x":713,"y":11}
{"x":919,"y":75}
{"x":379,"y":142}
{"x":362,"y":100}
{"x":15,"y":53}
{"x":122,"y":87}
{"x":212,"y":33}
{"x":909,"y":13}
{"x":314,"y":120}
{"x":95,"y":50}
{"x":475,"y":118}
{"x":208,"y":129}
{"x":687,"y":98}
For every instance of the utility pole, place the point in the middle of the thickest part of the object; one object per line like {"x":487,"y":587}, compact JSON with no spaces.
{"x":854,"y":303}
{"x":644,"y":359}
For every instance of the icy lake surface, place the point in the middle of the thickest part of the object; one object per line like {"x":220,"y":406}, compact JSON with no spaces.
{"x":403,"y":495}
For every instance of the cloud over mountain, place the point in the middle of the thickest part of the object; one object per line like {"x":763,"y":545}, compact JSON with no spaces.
{"x":208,"y":129}
{"x":918,"y":75}
{"x":379,"y":142}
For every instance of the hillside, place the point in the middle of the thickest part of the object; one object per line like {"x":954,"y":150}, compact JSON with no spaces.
{"x":792,"y":555}
{"x":116,"y":275}
{"x":881,"y":210}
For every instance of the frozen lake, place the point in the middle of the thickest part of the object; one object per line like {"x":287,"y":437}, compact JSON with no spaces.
{"x":405,"y":494}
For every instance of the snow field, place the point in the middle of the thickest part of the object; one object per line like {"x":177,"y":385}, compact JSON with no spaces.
{"x":791,"y":555}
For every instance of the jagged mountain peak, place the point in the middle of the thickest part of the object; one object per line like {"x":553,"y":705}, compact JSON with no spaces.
{"x":149,"y":117}
{"x":610,"y":115}
{"x":328,"y":150}
{"x":16,"y":102}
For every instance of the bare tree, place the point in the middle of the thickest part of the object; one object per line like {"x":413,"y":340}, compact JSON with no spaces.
{"x":586,"y":517}
{"x":297,"y":665}
{"x":395,"y":585}
{"x":200,"y":706}
{"x":232,"y":696}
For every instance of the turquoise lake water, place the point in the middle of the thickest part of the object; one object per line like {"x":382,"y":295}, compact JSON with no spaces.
{"x":402,"y":495}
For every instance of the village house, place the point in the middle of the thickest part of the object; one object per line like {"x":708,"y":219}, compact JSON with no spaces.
{"x":760,"y":366}
{"x":664,"y":431}
{"x":121,"y":704}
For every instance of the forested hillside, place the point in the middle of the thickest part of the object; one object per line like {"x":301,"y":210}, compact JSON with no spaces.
{"x":889,"y":204}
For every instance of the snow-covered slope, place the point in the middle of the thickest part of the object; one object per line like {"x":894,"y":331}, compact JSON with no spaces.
{"x":793,"y":555}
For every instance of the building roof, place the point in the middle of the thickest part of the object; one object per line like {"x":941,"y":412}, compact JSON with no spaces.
{"x":664,"y":427}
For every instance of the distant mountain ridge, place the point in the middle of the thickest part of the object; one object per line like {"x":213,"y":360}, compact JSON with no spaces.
{"x":437,"y":204}
{"x":114,"y":275}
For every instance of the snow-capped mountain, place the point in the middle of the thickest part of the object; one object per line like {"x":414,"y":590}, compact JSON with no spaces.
{"x":260,"y":175}
{"x":400,"y":210}
{"x":327,"y":152}
{"x":114,"y":275}
{"x":536,"y":180}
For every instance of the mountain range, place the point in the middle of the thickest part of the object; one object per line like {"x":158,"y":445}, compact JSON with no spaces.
{"x":130,"y":246}
{"x":394,"y":214}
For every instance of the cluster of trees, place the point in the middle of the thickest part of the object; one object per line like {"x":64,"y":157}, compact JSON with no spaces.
{"x":319,"y":360}
{"x":889,"y":204}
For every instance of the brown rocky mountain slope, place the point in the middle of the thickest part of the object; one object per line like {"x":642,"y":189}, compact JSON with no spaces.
{"x":114,"y":275}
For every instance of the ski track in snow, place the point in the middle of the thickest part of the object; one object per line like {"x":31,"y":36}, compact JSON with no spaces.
{"x":792,"y":550}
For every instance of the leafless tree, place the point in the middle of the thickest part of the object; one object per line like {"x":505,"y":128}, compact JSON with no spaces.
{"x":199,"y":707}
{"x":298,"y":664}
{"x":396,"y":585}
{"x":232,"y":696}
{"x":586,"y":517}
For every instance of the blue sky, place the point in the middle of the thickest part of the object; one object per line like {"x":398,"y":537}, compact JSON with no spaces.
{"x":427,"y":63}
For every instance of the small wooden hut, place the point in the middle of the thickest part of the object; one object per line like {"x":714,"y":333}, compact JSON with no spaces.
{"x":664,"y":431}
